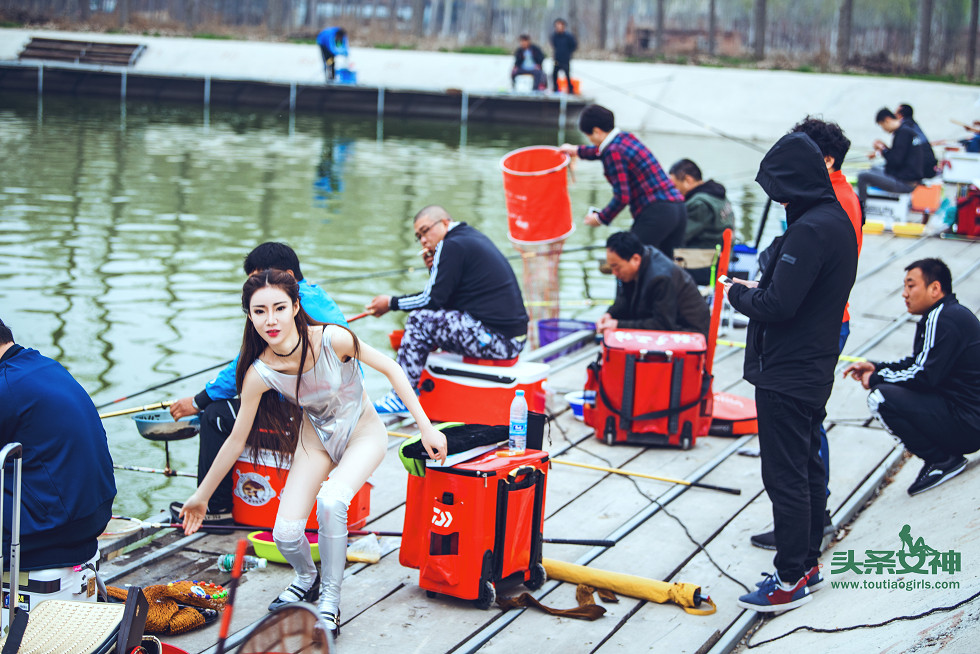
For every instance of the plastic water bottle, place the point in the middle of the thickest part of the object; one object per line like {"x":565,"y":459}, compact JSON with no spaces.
{"x":517,"y":441}
{"x":226,"y":562}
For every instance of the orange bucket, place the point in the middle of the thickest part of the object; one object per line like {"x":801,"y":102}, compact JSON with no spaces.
{"x":536,"y":187}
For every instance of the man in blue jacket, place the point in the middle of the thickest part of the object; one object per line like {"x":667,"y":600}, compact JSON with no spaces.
{"x":67,"y":480}
{"x":930,"y":399}
{"x":217,"y":401}
{"x":795,"y":313}
{"x":333,"y":44}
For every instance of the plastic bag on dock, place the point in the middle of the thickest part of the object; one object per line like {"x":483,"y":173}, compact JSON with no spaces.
{"x":364,"y":550}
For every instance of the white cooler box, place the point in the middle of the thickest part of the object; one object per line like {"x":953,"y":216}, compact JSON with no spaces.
{"x":887,"y":207}
{"x":962,"y":168}
{"x":76,"y":583}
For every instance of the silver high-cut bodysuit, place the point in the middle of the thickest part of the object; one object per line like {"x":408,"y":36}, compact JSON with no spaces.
{"x":331,"y":393}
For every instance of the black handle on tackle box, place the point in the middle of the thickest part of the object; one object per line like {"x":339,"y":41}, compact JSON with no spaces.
{"x":529,"y":477}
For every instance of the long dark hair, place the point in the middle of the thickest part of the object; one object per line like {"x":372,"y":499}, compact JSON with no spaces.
{"x":277,"y":421}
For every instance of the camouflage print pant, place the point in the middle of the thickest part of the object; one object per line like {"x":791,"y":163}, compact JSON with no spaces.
{"x":427,"y":330}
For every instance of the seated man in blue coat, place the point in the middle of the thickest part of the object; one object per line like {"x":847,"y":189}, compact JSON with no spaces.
{"x":67,"y":482}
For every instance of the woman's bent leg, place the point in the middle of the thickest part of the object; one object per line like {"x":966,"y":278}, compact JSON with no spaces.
{"x":309,"y":467}
{"x":364,"y":452}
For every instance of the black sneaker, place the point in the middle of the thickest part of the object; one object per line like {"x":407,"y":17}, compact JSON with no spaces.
{"x":211,"y":518}
{"x":933,"y":474}
{"x":767,"y":541}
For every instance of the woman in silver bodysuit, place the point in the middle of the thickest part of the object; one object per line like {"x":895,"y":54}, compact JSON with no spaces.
{"x":314,"y":369}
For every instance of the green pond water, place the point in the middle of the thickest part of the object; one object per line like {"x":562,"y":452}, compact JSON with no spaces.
{"x":123,"y":229}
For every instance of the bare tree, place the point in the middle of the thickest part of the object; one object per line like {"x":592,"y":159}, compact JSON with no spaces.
{"x":759,"y":25}
{"x":844,"y":22}
{"x":924,"y":36}
{"x":84,"y":9}
{"x":603,"y":23}
{"x":310,"y":18}
{"x":488,"y":23}
{"x":971,"y":47}
{"x":660,"y":26}
{"x":122,"y":12}
{"x":418,"y":18}
{"x":712,"y":26}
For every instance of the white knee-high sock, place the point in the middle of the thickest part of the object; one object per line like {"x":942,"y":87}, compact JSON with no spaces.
{"x":290,"y":538}
{"x":331,"y":512}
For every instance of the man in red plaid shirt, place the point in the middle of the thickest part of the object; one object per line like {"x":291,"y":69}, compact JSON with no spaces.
{"x":659,"y":216}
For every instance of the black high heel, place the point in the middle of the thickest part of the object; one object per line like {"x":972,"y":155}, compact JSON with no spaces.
{"x":330,"y":618}
{"x":311,"y":595}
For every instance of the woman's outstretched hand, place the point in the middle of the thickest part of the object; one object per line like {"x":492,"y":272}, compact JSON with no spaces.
{"x":193,"y":513}
{"x":434,"y":442}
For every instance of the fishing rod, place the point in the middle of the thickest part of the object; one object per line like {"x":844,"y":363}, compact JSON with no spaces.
{"x":843,"y":357}
{"x":411,"y":269}
{"x":677,"y":114}
{"x":167,"y":472}
{"x":620,"y":471}
{"x":158,"y":386}
{"x":135,"y":409}
{"x":628,"y":473}
{"x":587,"y":542}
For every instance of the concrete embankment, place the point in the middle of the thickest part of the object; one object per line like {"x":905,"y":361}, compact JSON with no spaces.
{"x":750,"y":104}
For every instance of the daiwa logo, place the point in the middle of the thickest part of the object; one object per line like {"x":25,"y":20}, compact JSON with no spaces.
{"x":441,"y":518}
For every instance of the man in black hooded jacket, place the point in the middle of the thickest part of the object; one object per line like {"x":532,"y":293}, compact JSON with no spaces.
{"x":794,"y":315}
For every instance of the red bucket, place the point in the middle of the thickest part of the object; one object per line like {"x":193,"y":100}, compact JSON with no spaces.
{"x":536,"y":186}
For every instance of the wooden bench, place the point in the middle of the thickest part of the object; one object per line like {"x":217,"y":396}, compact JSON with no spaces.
{"x":82,"y":52}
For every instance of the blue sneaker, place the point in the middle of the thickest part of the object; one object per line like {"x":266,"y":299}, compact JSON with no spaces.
{"x":814,"y":580}
{"x":391,"y":405}
{"x":773,"y":596}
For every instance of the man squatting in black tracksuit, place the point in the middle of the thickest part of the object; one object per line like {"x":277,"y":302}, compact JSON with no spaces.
{"x":792,"y":347}
{"x":931,"y":400}
{"x":472,"y":304}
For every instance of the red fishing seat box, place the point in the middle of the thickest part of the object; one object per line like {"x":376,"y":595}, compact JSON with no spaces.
{"x":257,"y":488}
{"x":452,"y":389}
{"x":470,"y":525}
{"x":652,"y":388}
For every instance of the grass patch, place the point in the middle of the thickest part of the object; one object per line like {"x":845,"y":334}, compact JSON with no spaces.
{"x":213,"y":37}
{"x":302,"y":40}
{"x":484,"y":50}
{"x":805,"y":68}
{"x":10,"y":23}
{"x":394,"y":46}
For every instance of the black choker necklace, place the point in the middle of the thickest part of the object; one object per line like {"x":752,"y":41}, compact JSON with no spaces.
{"x":290,"y":352}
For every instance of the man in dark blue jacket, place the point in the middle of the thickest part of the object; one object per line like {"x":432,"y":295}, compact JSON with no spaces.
{"x":472,"y":304}
{"x":795,"y":313}
{"x":528,"y":60}
{"x":67,"y":480}
{"x":904,"y":160}
{"x":931,"y":400}
{"x":563,"y":44}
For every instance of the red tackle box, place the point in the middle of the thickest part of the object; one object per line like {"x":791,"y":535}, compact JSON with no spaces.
{"x":258,"y":487}
{"x":651,"y":388}
{"x":451,"y":389}
{"x":470,"y":525}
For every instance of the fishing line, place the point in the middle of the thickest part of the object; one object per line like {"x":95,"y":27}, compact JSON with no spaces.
{"x":900,"y":618}
{"x":677,"y":114}
{"x":680,"y":522}
{"x":158,"y":386}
